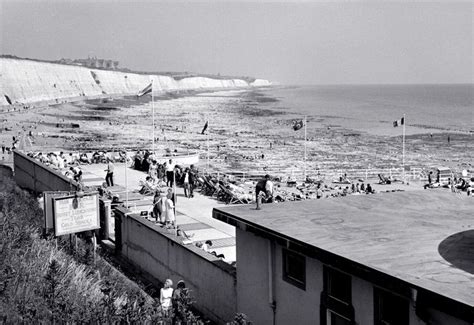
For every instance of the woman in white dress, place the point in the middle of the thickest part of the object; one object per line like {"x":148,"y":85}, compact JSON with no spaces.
{"x":170,"y":217}
{"x":153,"y":170}
{"x":166,"y":294}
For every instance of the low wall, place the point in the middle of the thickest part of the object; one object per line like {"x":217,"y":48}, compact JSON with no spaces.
{"x":33,"y":175}
{"x":162,"y":255}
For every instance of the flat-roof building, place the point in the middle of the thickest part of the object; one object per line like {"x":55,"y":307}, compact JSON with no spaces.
{"x":392,"y":258}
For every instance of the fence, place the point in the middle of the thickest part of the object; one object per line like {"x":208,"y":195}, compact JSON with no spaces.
{"x":368,"y":174}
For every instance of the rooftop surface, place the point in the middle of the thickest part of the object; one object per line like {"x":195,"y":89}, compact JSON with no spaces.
{"x":425,"y":238}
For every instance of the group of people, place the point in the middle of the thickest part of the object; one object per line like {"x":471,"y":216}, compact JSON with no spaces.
{"x":168,"y":174}
{"x":455,"y":184}
{"x":170,"y":300}
{"x":164,"y":205}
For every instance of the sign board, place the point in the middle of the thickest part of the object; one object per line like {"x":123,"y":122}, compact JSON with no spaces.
{"x":48,"y":207}
{"x":75,"y":214}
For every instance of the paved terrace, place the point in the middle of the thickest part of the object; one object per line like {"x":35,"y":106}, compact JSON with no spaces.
{"x":425,"y":238}
{"x":194,"y":216}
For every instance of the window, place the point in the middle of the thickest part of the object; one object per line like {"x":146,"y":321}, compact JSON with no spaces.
{"x":338,"y":285}
{"x":294,"y":268}
{"x":336,"y":299}
{"x":390,"y":309}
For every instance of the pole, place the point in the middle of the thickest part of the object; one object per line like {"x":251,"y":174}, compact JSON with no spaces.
{"x":153,"y":117}
{"x":126,"y":180}
{"x":403,"y":149}
{"x":174,"y":199}
{"x":304,"y":180}
{"x":208,"y":131}
{"x":94,"y":245}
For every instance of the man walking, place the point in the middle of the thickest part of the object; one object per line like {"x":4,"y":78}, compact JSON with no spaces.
{"x":109,"y":177}
{"x":169,"y":173}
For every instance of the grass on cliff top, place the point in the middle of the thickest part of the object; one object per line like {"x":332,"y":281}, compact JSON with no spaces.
{"x":42,"y":284}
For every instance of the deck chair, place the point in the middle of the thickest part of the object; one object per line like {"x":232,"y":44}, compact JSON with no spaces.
{"x":231,"y":198}
{"x":146,"y":188}
{"x":384,"y":180}
{"x":214,"y":189}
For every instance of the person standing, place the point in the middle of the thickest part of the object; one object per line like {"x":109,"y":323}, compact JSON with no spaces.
{"x":166,"y":295}
{"x":186,"y":186}
{"x":153,"y":170}
{"x":170,"y":216}
{"x":261,"y":186}
{"x":109,"y":177}
{"x":159,"y":207}
{"x":169,"y":173}
{"x":179,"y":315}
{"x":192,"y":180}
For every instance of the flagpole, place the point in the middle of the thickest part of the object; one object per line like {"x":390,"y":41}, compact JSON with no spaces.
{"x":174,"y":199}
{"x":153,"y":117}
{"x":126,"y":179}
{"x":208,"y":131}
{"x":304,"y":180}
{"x":403,"y":149}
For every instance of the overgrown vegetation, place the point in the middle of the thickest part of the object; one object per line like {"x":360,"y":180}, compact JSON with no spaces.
{"x":40,"y":283}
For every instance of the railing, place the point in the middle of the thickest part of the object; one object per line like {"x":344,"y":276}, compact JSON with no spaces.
{"x":368,"y":174}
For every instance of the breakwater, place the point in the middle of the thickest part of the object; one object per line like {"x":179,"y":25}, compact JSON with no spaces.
{"x":26,"y":82}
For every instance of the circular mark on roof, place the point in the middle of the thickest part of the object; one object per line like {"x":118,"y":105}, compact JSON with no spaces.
{"x":327,"y":221}
{"x":457,"y":249}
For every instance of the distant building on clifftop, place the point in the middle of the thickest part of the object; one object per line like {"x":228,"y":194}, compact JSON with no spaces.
{"x":92,"y":62}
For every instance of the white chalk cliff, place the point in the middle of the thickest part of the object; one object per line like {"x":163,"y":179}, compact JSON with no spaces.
{"x":26,"y":81}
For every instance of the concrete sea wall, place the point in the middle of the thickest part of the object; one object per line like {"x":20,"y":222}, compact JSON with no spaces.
{"x":162,"y":255}
{"x":26,"y":81}
{"x":36,"y":177}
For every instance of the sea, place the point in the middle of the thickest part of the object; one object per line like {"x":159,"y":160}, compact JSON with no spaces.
{"x":373,"y":108}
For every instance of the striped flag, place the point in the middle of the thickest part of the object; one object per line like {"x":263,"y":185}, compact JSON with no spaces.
{"x":205,"y":127}
{"x":145,"y":90}
{"x":297,"y":125}
{"x":399,"y":122}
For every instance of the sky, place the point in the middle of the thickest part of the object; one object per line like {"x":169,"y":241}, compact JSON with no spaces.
{"x":297,"y":42}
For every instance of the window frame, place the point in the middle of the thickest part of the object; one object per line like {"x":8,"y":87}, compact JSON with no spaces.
{"x":300,"y":283}
{"x":327,"y":284}
{"x":380,"y":294}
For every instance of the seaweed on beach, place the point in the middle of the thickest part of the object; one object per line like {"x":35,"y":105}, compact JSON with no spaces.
{"x":259,"y":97}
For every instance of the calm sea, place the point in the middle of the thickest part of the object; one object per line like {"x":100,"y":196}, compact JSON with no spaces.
{"x":427,"y":108}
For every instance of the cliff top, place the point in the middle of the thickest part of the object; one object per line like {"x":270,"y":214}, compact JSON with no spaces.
{"x":175,"y":75}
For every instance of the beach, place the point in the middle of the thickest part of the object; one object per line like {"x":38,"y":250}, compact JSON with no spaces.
{"x":248,"y":131}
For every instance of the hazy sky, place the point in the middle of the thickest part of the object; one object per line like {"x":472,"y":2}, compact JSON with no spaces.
{"x":292,"y":43}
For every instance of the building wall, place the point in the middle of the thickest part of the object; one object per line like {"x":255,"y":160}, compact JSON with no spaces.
{"x":293,"y":304}
{"x":161,"y":255}
{"x":252,"y":277}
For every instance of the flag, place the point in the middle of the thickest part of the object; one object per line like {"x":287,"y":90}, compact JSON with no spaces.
{"x":145,"y":90}
{"x":399,"y":122}
{"x":205,"y":127}
{"x":298,"y":125}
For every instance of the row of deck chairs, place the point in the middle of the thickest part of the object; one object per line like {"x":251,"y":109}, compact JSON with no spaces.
{"x":215,"y":189}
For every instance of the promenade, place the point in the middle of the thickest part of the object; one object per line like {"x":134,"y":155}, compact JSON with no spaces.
{"x":194,"y":215}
